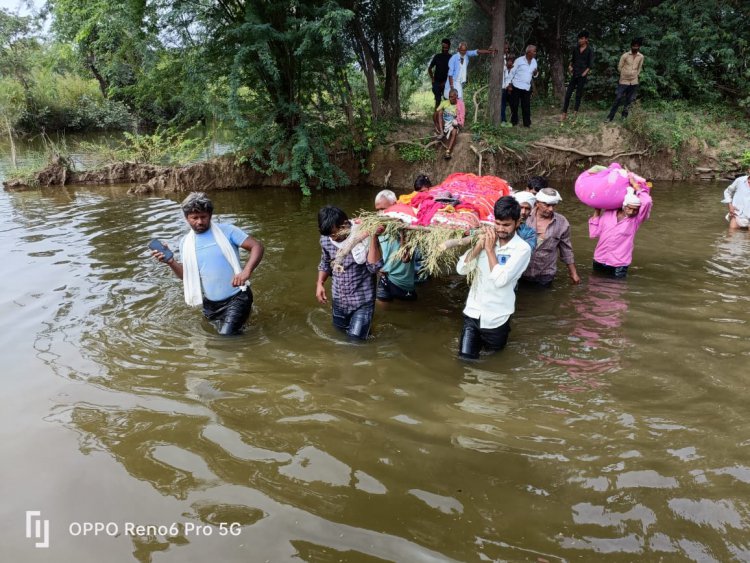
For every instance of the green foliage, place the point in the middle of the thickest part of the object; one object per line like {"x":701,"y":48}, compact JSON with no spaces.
{"x":12,"y":101}
{"x":165,"y":146}
{"x":415,"y":152}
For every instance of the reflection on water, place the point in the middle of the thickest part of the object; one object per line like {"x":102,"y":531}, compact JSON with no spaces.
{"x":613,"y":425}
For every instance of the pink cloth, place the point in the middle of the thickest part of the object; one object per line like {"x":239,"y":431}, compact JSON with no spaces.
{"x":426,"y":212}
{"x":616,"y":239}
{"x":460,"y":112}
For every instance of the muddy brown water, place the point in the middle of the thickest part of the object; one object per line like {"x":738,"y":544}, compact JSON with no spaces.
{"x":613,"y":427}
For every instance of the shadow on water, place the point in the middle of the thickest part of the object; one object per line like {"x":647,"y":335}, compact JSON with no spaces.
{"x":614,"y":423}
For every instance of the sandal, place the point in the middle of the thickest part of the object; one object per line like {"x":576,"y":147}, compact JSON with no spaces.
{"x":447,"y":155}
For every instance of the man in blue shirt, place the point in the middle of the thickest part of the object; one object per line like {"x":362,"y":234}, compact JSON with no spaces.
{"x":527,"y":201}
{"x":524,"y":71}
{"x":458,"y":67}
{"x":211,"y":268}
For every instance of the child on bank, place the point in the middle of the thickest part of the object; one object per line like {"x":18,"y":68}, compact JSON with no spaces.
{"x":353,"y":274}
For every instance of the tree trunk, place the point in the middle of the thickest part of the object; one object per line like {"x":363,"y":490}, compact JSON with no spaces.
{"x":390,"y":86}
{"x":498,"y":63}
{"x":557,"y":59}
{"x":368,"y":67}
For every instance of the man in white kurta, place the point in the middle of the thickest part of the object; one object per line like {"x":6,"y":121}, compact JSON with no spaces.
{"x":497,"y":260}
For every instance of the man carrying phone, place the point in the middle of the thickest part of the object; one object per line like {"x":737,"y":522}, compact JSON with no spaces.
{"x":210,"y":270}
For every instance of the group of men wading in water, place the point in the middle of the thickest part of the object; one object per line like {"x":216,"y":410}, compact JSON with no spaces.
{"x":519,"y":249}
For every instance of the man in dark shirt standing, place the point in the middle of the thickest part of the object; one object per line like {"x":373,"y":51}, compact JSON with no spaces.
{"x":440,"y":74}
{"x":580,"y":65}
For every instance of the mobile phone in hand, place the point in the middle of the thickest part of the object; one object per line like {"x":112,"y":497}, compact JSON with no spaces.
{"x":156,"y":244}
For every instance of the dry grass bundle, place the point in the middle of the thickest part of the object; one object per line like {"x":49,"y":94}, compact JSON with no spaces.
{"x":438,"y":258}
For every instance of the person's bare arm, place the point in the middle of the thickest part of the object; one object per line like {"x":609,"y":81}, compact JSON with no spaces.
{"x":173,"y":264}
{"x":256,"y":250}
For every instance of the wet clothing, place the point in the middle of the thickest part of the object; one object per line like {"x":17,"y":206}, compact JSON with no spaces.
{"x":492,"y":298}
{"x":738,"y":194}
{"x":397,"y":277}
{"x":356,"y":323}
{"x":388,"y":291}
{"x":216,"y":273}
{"x":353,"y":288}
{"x":528,"y":234}
{"x":611,"y":271}
{"x":617,"y":238}
{"x":229,"y":315}
{"x":474,"y":338}
{"x":555,"y":241}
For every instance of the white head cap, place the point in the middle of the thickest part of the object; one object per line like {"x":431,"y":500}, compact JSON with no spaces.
{"x":550,"y":196}
{"x":631,"y":199}
{"x":525,"y":197}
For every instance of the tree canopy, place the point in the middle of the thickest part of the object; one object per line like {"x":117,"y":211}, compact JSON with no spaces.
{"x":301,"y":79}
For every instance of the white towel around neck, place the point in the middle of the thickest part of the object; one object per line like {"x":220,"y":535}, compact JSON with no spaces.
{"x":191,"y":279}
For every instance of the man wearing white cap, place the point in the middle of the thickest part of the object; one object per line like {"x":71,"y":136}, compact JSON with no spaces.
{"x":552,"y":232}
{"x":527,"y":201}
{"x":616,"y":230}
{"x":737,"y":197}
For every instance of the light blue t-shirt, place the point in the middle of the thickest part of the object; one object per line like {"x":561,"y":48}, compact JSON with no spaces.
{"x":215,"y":272}
{"x":454,"y":71}
{"x":400,"y":273}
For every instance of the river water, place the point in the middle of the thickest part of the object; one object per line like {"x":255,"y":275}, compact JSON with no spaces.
{"x":614,"y":426}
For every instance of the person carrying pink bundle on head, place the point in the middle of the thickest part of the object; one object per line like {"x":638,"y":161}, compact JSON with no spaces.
{"x":616,"y":229}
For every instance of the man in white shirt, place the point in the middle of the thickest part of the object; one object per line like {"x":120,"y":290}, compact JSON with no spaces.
{"x":498,"y":260}
{"x":524,"y":71}
{"x":737,"y":197}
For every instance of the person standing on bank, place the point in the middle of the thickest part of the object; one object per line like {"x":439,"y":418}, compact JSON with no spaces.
{"x":630,"y":66}
{"x":580,"y":65}
{"x":210,"y":268}
{"x":616,"y":229}
{"x":499,"y":257}
{"x":552,"y":239}
{"x":504,"y":98}
{"x":524,"y":71}
{"x":458,"y":66}
{"x":440,"y":75}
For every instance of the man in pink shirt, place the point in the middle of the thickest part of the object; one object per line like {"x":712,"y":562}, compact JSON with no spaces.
{"x":616,"y":230}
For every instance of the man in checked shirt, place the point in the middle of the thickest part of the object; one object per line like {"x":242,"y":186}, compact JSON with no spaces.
{"x":353,"y":275}
{"x":552,"y":238}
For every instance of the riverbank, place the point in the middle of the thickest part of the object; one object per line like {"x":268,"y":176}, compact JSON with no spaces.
{"x":664,"y":144}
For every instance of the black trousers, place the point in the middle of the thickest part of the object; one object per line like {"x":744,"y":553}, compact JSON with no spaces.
{"x":473,"y":338}
{"x":229,"y":315}
{"x":626,"y":94}
{"x":613,"y":271}
{"x":576,"y":83}
{"x":524,"y":97}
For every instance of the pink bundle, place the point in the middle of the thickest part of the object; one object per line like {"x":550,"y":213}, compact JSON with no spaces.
{"x":605,"y":188}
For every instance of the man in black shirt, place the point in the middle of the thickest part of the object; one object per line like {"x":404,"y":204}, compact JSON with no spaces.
{"x":440,"y":75}
{"x":580,"y":65}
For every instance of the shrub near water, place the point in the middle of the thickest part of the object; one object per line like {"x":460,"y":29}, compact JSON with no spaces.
{"x":165,"y":146}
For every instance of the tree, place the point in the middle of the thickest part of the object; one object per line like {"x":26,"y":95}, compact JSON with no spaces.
{"x":12,"y":107}
{"x":495,"y":9}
